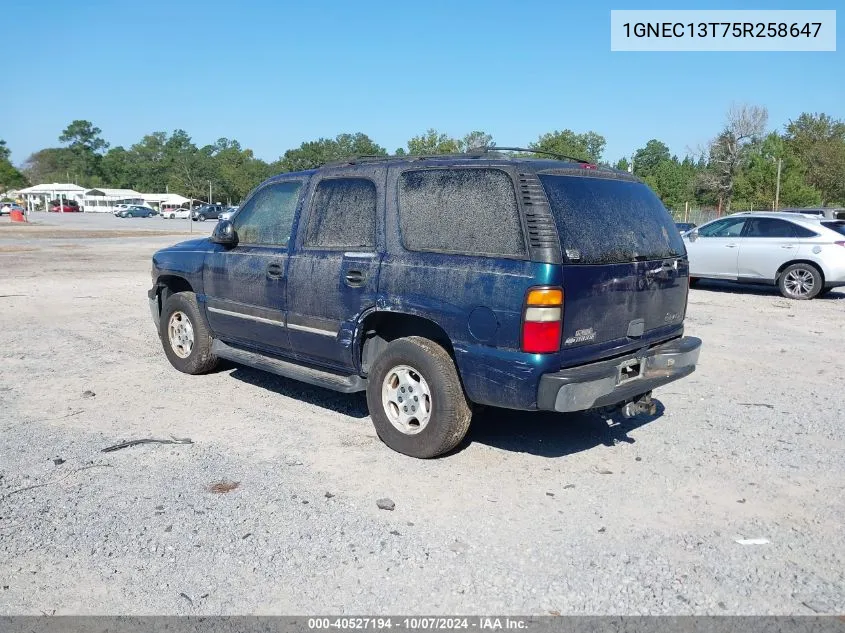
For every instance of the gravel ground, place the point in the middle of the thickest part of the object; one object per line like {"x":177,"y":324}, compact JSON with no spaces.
{"x":533,"y":514}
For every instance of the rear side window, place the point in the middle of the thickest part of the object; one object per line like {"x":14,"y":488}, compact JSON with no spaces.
{"x":343,"y":214}
{"x":771,"y":227}
{"x":466,"y":211}
{"x":267,"y":217}
{"x":839,"y":227}
{"x":610,"y":221}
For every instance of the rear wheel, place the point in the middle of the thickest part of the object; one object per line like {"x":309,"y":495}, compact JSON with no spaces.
{"x":800,"y":281}
{"x":201,"y":218}
{"x":185,"y":335}
{"x":416,"y":400}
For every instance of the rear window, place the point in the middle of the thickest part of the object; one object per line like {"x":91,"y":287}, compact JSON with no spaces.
{"x":839,"y":227}
{"x":466,"y":211}
{"x":609,"y":221}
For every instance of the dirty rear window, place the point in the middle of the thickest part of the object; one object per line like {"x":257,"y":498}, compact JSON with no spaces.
{"x":267,"y":217}
{"x":609,"y":221}
{"x":467,"y":211}
{"x":343,"y":214}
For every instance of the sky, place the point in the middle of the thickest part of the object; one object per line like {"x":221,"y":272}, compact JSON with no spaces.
{"x":273,"y":74}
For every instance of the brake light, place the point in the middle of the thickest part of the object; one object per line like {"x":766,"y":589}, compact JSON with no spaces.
{"x":589,"y":166}
{"x":542,"y":320}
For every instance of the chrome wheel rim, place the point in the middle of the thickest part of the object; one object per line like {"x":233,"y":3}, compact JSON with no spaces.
{"x":799,"y":282}
{"x":406,"y":399}
{"x":180,"y":332}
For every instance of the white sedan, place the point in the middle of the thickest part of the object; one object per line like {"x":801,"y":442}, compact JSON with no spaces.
{"x":176,"y":214}
{"x":804,"y":256}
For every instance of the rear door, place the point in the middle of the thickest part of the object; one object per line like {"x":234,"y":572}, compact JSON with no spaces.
{"x":334,"y":271}
{"x":765,"y":245}
{"x":625,"y":272}
{"x":713,"y":249}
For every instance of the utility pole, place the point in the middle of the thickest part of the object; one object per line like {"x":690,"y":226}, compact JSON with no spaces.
{"x":777,"y":187}
{"x":209,"y":192}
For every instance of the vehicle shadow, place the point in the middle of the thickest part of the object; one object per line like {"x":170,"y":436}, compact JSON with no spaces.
{"x":351,"y":404}
{"x":549,"y":434}
{"x":727,"y":287}
{"x":545,"y":434}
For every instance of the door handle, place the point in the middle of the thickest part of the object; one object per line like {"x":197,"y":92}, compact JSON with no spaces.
{"x":354,"y":278}
{"x":787,"y":246}
{"x":274,"y":270}
{"x":731,"y":245}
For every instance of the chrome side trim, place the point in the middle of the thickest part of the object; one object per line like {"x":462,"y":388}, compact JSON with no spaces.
{"x":311,"y":330}
{"x":245,"y":316}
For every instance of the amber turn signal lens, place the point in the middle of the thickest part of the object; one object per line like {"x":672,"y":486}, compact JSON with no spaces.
{"x":545,"y":297}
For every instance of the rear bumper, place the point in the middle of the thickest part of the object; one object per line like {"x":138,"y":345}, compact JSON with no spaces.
{"x":601,"y":384}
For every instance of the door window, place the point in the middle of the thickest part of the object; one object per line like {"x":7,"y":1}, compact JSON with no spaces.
{"x":343,"y":215}
{"x":729,"y":227}
{"x":267,"y":217}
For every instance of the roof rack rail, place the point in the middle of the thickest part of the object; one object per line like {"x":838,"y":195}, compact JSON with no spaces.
{"x":545,"y":153}
{"x":477,"y":152}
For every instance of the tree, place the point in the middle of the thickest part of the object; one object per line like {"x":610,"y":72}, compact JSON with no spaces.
{"x":622,"y":164}
{"x":314,"y":154}
{"x":85,"y":146}
{"x":647,"y":159}
{"x":10,"y":177}
{"x":433,"y":142}
{"x":729,"y":151}
{"x":476,"y":140}
{"x":818,"y":141}
{"x":587,"y":146}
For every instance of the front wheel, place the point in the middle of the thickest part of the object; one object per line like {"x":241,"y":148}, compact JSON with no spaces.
{"x":800,"y":281}
{"x":201,"y":218}
{"x":185,"y":336}
{"x":416,"y":400}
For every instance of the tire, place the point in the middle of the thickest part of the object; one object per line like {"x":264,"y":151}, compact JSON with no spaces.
{"x":824,"y":292}
{"x":201,"y":217}
{"x":418,"y":363}
{"x":800,"y":281}
{"x":196,"y":358}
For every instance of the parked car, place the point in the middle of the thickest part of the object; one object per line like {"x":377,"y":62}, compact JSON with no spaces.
{"x":683,"y":227}
{"x":227,"y":214}
{"x":136,"y":212}
{"x":119,"y":208}
{"x":64,"y":206}
{"x":207,"y":212}
{"x":438,"y":283}
{"x":176,"y":214}
{"x":6,"y":208}
{"x":803,"y":256}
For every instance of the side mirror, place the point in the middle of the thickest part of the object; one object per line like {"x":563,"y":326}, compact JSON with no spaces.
{"x":224,"y":233}
{"x":693,"y":235}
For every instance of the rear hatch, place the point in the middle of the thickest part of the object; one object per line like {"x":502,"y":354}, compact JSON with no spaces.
{"x":625,"y":270}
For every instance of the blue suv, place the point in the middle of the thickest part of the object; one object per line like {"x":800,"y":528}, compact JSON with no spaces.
{"x":436,"y":283}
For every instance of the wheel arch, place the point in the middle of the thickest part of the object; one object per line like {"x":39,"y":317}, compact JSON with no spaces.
{"x":810,"y":262}
{"x":379,"y":327}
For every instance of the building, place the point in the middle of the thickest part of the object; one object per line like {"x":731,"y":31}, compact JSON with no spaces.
{"x":165,"y":201}
{"x":39,"y":196}
{"x":103,"y":200}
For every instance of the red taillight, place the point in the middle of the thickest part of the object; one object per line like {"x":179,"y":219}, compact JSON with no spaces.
{"x":589,"y":166}
{"x":541,"y":338}
{"x":542,"y":321}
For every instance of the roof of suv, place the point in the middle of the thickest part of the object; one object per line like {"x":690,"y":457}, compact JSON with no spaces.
{"x":551,"y":166}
